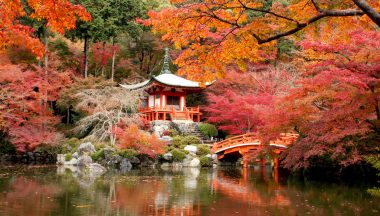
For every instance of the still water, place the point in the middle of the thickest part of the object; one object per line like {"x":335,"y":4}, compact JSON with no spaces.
{"x":57,"y":191}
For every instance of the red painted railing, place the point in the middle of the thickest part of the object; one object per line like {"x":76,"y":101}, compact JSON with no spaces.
{"x":251,"y":138}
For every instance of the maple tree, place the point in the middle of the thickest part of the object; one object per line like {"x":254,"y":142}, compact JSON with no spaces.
{"x":27,"y":119}
{"x":336,"y":102}
{"x":238,"y":102}
{"x":59,"y":15}
{"x":214,"y":34}
{"x":143,"y":142}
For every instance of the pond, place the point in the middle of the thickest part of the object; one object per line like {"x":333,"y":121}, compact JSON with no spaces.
{"x":256,"y":191}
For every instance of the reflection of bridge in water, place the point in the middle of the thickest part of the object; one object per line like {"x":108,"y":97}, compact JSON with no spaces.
{"x":242,"y":189}
{"x":247,"y":145}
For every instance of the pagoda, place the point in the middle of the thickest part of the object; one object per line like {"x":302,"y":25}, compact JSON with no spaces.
{"x":166,"y":96}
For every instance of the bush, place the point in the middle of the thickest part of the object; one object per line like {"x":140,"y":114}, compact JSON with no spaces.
{"x":97,"y":155}
{"x":73,"y":143}
{"x":208,"y":130}
{"x":204,"y":161}
{"x":178,"y":155}
{"x":166,"y":133}
{"x":173,"y":132}
{"x":182,"y":141}
{"x":68,"y":157}
{"x":128,"y":153}
{"x":190,"y":140}
{"x":203,"y":150}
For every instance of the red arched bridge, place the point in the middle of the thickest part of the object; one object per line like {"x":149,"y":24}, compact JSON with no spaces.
{"x":248,"y":144}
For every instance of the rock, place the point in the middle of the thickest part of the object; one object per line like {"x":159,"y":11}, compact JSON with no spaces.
{"x":166,"y":138}
{"x":73,"y":162}
{"x":61,"y":159}
{"x":191,"y":148}
{"x":96,"y":169}
{"x":84,"y":160}
{"x":125,"y":165}
{"x":194,"y":163}
{"x":134,"y":161}
{"x":75,"y":155}
{"x":165,"y":165}
{"x":115,"y":160}
{"x":108,"y":153}
{"x":86,"y":148}
{"x":168,"y":156}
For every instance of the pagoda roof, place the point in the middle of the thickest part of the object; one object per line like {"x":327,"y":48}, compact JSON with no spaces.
{"x":166,"y":77}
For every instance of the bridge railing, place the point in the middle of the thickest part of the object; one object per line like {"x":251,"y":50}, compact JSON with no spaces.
{"x":285,"y":139}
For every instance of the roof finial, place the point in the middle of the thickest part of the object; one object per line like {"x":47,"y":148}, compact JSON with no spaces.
{"x":165,"y":67}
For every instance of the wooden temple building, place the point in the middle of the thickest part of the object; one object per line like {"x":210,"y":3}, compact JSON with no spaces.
{"x":166,"y":96}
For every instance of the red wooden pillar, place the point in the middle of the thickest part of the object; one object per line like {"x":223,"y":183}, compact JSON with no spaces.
{"x":275,"y":163}
{"x":199,"y":118}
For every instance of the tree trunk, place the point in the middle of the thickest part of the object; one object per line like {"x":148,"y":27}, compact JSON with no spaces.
{"x":68,"y":116}
{"x":113,"y":60}
{"x":46,"y":58}
{"x":85,"y":58}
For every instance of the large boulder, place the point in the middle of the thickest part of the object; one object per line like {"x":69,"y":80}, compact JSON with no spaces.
{"x":108,"y":153}
{"x":168,"y":156}
{"x":114,"y":160}
{"x":134,"y":161}
{"x":72,"y":162}
{"x":191,"y":148}
{"x":191,"y":161}
{"x":194,"y":163}
{"x":75,"y":155}
{"x":84,"y":161}
{"x":125,"y":165}
{"x":86,"y":148}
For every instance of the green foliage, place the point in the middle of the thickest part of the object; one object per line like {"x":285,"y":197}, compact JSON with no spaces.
{"x":73,"y":143}
{"x":208,"y":130}
{"x":182,"y":141}
{"x":374,"y":191}
{"x":128,"y":153}
{"x":61,"y":48}
{"x":178,"y":155}
{"x":173,"y":132}
{"x":203,"y":150}
{"x":97,"y":155}
{"x":68,"y":157}
{"x":21,"y":56}
{"x":204,"y":161}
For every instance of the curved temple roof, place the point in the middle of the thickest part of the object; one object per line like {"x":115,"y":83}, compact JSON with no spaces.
{"x":166,"y":77}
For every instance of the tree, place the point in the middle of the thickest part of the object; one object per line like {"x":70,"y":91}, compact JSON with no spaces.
{"x":106,"y":108}
{"x":335,"y":106}
{"x":59,"y":15}
{"x":215,"y":34}
{"x":239,"y":102}
{"x":111,"y":19}
{"x":27,"y":119}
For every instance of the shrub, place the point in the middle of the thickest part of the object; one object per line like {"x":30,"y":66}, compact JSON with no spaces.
{"x":182,"y":141}
{"x":204,"y":161}
{"x":68,"y":157}
{"x":128,"y":153}
{"x":208,"y":130}
{"x":203,"y":150}
{"x":73,"y":142}
{"x":178,"y":155}
{"x":144,"y":143}
{"x":190,"y":140}
{"x":97,"y":155}
{"x":166,"y":133}
{"x":173,"y":132}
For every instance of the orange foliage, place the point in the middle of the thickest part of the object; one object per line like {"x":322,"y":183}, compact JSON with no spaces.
{"x":141,"y":141}
{"x":214,"y":34}
{"x":60,"y":15}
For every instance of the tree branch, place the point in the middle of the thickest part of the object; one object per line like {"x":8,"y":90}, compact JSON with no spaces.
{"x":368,"y":10}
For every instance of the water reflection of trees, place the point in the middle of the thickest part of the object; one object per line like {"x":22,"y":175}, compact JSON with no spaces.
{"x":177,"y":192}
